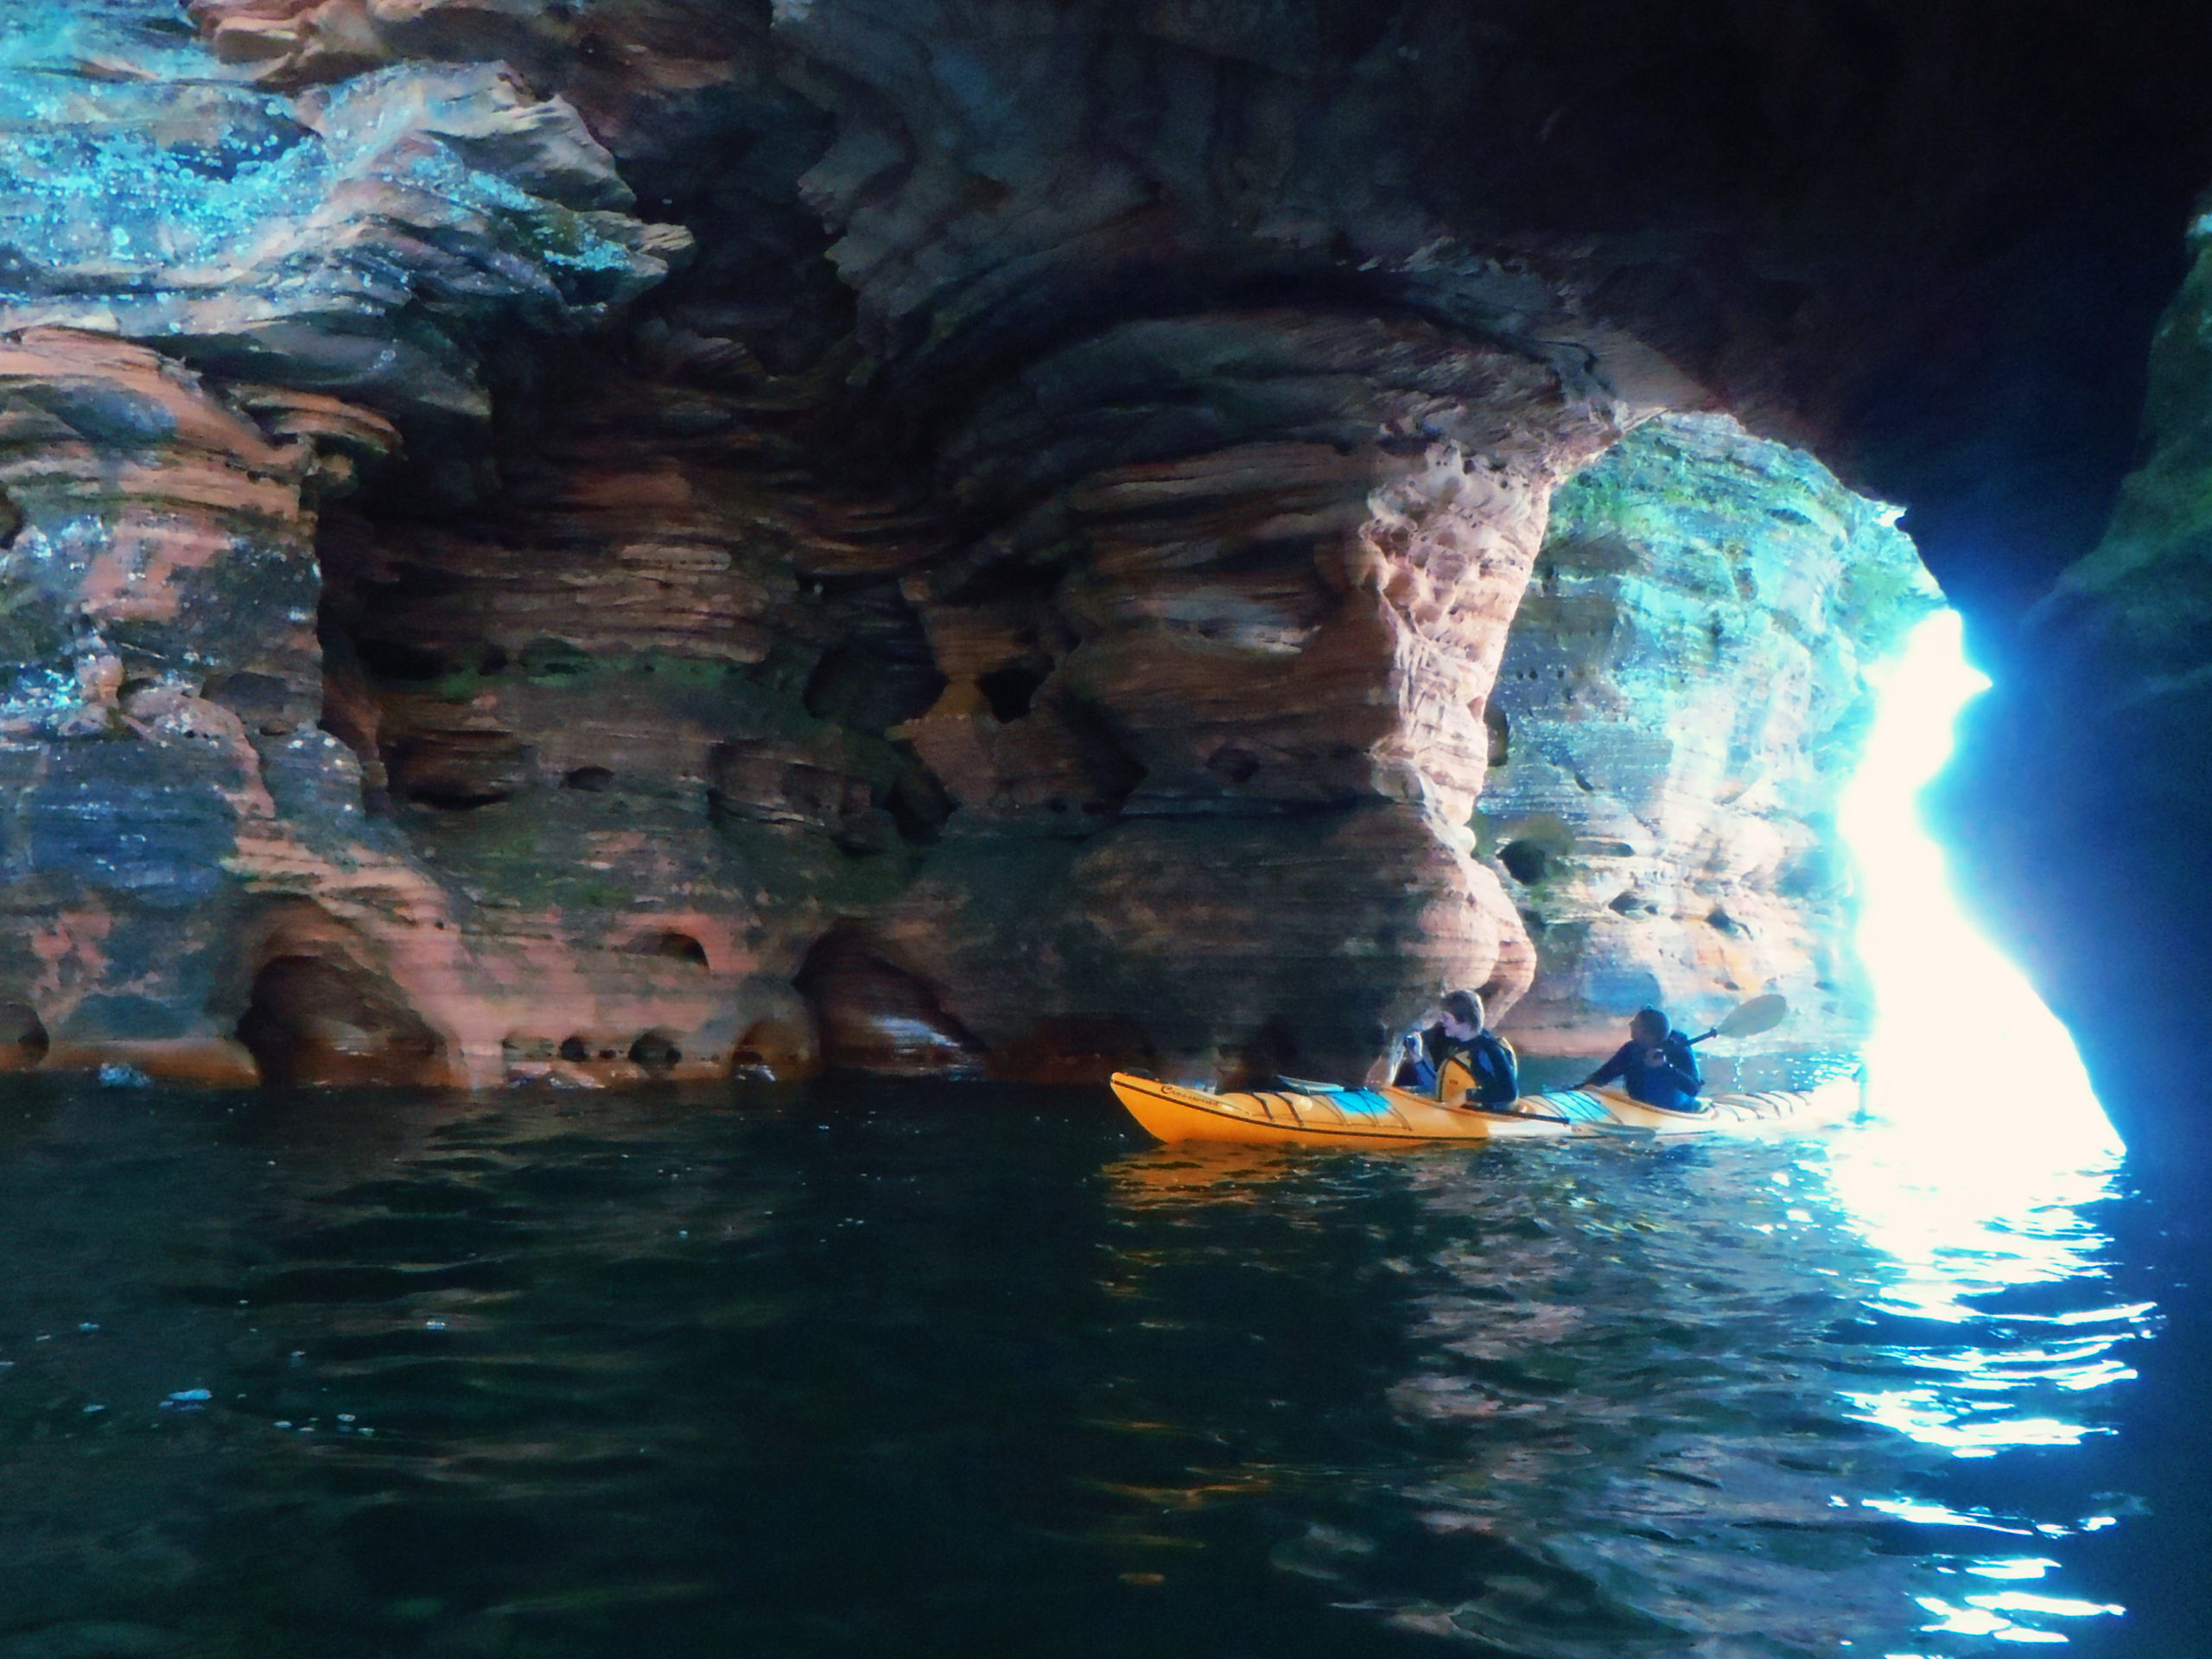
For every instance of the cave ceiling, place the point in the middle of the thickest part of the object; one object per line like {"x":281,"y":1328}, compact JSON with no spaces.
{"x":1929,"y":242}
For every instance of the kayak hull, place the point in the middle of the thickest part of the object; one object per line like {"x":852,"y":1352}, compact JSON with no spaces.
{"x":1375,"y":1118}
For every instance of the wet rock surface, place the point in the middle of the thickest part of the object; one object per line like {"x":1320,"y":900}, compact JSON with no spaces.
{"x":1681,"y":702}
{"x":598,"y":544}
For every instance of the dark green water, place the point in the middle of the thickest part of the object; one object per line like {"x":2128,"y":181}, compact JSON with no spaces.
{"x":908,"y":1371}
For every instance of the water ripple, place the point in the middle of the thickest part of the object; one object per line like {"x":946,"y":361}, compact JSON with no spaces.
{"x":897,"y":1372}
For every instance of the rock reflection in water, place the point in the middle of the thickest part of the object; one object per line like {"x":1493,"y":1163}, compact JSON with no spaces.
{"x":364,"y":1363}
{"x":909,"y":1372}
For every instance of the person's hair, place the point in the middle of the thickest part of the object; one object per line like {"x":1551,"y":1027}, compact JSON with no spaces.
{"x":1653,"y":1021}
{"x":1464,"y":1007}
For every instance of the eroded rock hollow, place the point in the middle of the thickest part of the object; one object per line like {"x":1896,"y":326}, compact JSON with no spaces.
{"x":651,"y":540}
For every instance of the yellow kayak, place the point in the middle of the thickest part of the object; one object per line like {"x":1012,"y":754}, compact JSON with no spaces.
{"x":1316,"y":1115}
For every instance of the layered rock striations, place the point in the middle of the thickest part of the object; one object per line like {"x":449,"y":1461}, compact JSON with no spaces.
{"x":651,"y":540}
{"x":1172,"y":757}
{"x":1139,"y":717}
{"x":161,"y":587}
{"x":1212,"y":716}
{"x":1682,"y":704}
{"x":194,"y":875}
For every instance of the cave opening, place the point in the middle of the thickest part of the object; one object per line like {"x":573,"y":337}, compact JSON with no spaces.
{"x":312,"y":1020}
{"x":1012,"y":690}
{"x":670,"y":945}
{"x":1963,"y":1048}
{"x":23,"y":1040}
{"x":1526,"y":861}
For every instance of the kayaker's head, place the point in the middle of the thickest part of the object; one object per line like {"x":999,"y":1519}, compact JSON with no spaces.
{"x":1649,"y":1027}
{"x":1463,"y":1016}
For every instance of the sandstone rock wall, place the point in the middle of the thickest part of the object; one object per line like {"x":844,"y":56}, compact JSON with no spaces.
{"x":654,"y":539}
{"x":1255,"y":594}
{"x":1140,"y":721}
{"x":197,"y":882}
{"x":1170,"y":757}
{"x":1681,"y":705}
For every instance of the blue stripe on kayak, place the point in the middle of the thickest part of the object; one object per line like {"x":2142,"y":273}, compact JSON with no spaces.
{"x":1361,"y":1102}
{"x":1580,"y":1107}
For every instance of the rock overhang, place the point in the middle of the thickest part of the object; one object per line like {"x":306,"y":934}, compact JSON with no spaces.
{"x":981,"y":304}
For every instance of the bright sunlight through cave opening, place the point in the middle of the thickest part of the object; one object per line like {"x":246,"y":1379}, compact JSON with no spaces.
{"x":1962,"y":1046}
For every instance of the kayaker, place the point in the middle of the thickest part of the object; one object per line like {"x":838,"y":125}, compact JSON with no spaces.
{"x":1461,"y":1035}
{"x":1657,"y":1064}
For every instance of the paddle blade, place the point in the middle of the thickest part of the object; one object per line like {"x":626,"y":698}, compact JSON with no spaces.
{"x":1760,"y":1013}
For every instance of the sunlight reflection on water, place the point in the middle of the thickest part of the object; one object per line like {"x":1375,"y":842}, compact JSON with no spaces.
{"x":1988,"y":1148}
{"x":1995,"y":1282}
{"x":1727,"y":1399}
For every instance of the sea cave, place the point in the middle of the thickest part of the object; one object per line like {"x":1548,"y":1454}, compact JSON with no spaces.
{"x":717,"y":584}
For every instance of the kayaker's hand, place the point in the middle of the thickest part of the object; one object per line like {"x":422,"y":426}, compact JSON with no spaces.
{"x":1654,"y":1057}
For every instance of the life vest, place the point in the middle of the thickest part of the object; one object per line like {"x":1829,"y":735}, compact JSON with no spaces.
{"x":1456,"y":1079}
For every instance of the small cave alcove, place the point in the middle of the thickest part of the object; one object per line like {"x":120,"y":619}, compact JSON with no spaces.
{"x":24,"y":1041}
{"x":1233,"y":764}
{"x":457,"y":772}
{"x":318,"y":1022}
{"x":872,"y":683}
{"x":1721,"y":922}
{"x":1536,"y":848}
{"x":875,"y":1017}
{"x":1526,"y":862}
{"x":668,"y":944}
{"x":400,"y":661}
{"x":1499,"y":728}
{"x":1011,"y":691}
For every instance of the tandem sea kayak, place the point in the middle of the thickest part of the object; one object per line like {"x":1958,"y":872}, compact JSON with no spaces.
{"x":1318,"y":1114}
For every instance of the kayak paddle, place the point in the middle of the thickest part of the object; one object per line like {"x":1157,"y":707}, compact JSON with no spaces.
{"x":1750,"y":1019}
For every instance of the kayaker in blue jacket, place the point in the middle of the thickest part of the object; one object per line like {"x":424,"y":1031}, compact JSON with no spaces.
{"x":1460,"y":1035}
{"x":1657,"y":1063}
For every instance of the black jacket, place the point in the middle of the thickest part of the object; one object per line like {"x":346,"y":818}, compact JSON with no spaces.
{"x":1674,"y":1085}
{"x":1497,"y":1078}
